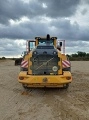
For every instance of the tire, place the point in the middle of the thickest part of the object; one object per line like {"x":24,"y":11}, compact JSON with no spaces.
{"x":16,"y":63}
{"x":24,"y":86}
{"x":66,"y":86}
{"x":67,"y":69}
{"x":23,"y":69}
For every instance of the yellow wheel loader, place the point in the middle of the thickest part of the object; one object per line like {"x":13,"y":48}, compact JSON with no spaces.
{"x":45,"y":66}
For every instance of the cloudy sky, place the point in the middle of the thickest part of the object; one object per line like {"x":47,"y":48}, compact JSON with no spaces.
{"x":21,"y":20}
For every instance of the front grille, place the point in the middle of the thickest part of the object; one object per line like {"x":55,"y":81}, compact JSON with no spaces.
{"x":45,"y":47}
{"x":43,"y":64}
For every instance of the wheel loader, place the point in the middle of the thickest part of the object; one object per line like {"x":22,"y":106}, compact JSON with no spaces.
{"x":45,"y":65}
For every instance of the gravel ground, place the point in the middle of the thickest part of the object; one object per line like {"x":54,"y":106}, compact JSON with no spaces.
{"x":16,"y":103}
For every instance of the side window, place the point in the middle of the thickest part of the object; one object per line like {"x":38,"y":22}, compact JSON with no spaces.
{"x":31,"y":45}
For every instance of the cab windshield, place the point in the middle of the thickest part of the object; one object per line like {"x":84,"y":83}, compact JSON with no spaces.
{"x":46,"y":42}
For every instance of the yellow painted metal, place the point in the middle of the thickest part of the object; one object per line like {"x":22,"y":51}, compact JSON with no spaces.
{"x":29,"y":63}
{"x":45,"y":80}
{"x":36,"y":42}
{"x":64,"y":57}
{"x":60,"y":63}
{"x":55,"y":42}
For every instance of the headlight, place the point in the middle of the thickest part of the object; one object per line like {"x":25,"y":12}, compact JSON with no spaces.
{"x":55,"y":68}
{"x":54,"y":52}
{"x":34,"y":52}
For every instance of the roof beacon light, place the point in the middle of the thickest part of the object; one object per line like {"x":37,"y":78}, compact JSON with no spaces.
{"x":48,"y":37}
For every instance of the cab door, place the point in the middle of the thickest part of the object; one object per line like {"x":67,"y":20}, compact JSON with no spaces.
{"x":31,"y":45}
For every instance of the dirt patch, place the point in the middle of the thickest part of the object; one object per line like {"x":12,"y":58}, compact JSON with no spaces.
{"x":16,"y":103}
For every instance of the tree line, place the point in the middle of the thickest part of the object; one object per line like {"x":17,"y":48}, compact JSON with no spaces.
{"x":79,"y":56}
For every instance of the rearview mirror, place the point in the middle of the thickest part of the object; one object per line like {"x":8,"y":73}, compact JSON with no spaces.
{"x":60,"y":43}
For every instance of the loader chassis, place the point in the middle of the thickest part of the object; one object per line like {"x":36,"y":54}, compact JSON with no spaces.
{"x":45,"y":66}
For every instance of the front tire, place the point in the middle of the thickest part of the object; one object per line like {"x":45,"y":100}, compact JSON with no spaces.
{"x":67,"y":69}
{"x":66,"y":86}
{"x":24,"y":86}
{"x":23,"y":69}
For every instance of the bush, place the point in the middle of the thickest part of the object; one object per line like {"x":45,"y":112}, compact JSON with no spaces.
{"x":3,"y":58}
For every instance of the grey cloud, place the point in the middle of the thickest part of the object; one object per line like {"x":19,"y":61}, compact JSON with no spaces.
{"x":56,"y":10}
{"x":11,"y":9}
{"x":84,"y":33}
{"x":66,"y":30}
{"x":24,"y":30}
{"x":75,"y":46}
{"x":84,"y":11}
{"x":85,"y":1}
{"x":77,"y":43}
{"x":61,"y":28}
{"x":61,"y":8}
{"x":11,"y":48}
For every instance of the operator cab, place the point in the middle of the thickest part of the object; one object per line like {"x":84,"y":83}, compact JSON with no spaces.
{"x":31,"y":44}
{"x":46,"y":41}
